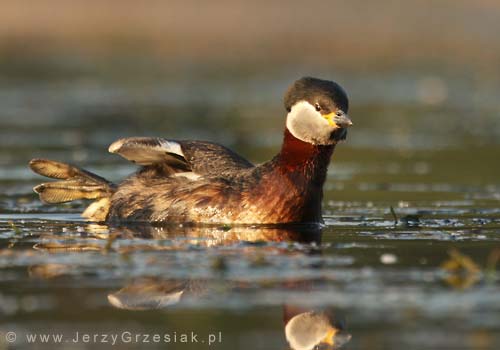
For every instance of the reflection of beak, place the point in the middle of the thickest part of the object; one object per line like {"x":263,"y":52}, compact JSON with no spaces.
{"x":338,"y":119}
{"x":336,"y":338}
{"x":340,"y":339}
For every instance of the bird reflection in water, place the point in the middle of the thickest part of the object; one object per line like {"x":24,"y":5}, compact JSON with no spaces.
{"x":215,"y":235}
{"x":153,"y":293}
{"x":304,"y":328}
{"x":146,"y":237}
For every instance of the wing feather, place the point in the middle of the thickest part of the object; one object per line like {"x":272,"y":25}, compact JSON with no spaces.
{"x":199,"y":157}
{"x":150,"y":150}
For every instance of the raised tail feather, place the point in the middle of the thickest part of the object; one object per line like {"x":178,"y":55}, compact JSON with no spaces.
{"x":76,"y":184}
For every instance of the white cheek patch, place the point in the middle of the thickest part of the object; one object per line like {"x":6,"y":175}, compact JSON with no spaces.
{"x":308,"y":125}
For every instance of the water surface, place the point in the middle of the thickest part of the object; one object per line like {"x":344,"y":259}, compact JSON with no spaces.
{"x":423,"y":277}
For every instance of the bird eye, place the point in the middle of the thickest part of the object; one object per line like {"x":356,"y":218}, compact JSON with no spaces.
{"x":318,"y":107}
{"x":339,"y":113}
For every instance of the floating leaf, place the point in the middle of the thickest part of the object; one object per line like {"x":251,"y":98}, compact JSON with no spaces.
{"x":463,"y":272}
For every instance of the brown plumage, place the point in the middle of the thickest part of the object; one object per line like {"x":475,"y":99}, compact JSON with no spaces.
{"x":286,"y":189}
{"x":203,"y":182}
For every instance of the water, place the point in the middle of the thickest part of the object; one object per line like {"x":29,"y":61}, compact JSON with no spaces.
{"x":380,"y":276}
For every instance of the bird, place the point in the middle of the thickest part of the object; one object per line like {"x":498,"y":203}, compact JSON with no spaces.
{"x":201,"y":182}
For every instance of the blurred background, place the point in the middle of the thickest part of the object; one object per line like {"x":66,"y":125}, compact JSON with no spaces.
{"x":76,"y":75}
{"x":419,"y":74}
{"x":423,"y":79}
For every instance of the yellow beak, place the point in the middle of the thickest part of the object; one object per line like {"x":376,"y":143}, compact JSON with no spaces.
{"x":338,"y":119}
{"x":330,"y":337}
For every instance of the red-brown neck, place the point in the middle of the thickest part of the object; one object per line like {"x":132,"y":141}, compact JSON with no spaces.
{"x":302,"y":169}
{"x":303,"y":157}
{"x":290,"y":187}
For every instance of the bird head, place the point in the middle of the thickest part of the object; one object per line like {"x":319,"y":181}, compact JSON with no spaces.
{"x":317,"y":111}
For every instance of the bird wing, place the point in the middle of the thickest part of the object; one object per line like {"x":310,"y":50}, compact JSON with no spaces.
{"x":151,"y":150}
{"x":200,"y":157}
